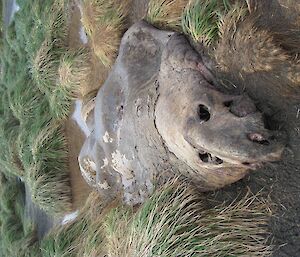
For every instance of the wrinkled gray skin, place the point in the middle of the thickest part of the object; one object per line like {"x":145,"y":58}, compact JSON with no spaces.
{"x":159,"y":115}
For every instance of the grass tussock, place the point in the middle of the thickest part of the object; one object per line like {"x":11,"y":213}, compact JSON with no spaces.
{"x":201,"y":18}
{"x":40,"y":76}
{"x":81,"y":237}
{"x":18,"y":235}
{"x":175,"y":221}
{"x":166,"y":14}
{"x":104,"y":22}
{"x":73,"y":72}
{"x":43,"y":154}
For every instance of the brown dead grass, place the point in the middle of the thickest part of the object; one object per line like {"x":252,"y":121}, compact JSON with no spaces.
{"x":173,"y":222}
{"x":166,"y":14}
{"x":98,"y":72}
{"x":242,"y":44}
{"x":74,"y":70}
{"x":104,"y":22}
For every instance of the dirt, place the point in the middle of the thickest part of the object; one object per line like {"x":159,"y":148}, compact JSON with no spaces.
{"x":80,"y":189}
{"x":74,"y":135}
{"x":279,"y":182}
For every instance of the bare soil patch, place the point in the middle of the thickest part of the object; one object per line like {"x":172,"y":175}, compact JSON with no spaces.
{"x":80,"y":189}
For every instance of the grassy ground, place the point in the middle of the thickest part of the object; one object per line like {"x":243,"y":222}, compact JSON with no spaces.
{"x":200,"y":20}
{"x":166,"y":14}
{"x":173,"y":222}
{"x":18,"y":235}
{"x":81,"y":237}
{"x":104,"y":22}
{"x":31,"y":130}
{"x":39,"y":79}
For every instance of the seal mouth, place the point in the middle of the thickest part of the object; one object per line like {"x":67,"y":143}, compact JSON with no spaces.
{"x":208,"y":158}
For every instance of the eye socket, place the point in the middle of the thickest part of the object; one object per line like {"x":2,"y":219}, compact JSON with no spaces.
{"x":203,"y":113}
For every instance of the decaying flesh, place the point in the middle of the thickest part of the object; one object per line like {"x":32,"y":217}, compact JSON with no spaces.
{"x":159,"y":115}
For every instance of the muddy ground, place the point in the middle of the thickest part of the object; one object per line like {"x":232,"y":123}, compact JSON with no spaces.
{"x":278,"y":181}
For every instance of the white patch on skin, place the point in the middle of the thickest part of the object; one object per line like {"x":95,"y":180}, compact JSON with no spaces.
{"x":69,"y":217}
{"x":122,"y":165}
{"x":106,"y":138}
{"x":92,"y":164}
{"x":88,"y":170}
{"x":105,"y":163}
{"x":103,"y":185}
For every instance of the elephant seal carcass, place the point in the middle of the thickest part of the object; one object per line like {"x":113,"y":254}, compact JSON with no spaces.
{"x":159,"y":114}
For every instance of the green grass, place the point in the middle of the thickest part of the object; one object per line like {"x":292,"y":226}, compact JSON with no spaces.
{"x":166,"y":14}
{"x":104,"y":22}
{"x":17,"y":235}
{"x":39,"y":79}
{"x":73,"y":71}
{"x":174,"y":222}
{"x":64,"y":241}
{"x":201,"y":18}
{"x":1,"y":18}
{"x":81,"y":237}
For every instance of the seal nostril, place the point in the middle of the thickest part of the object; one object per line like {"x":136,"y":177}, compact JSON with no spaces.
{"x":217,"y":160}
{"x":204,"y":157}
{"x":258,"y":138}
{"x":203,"y":113}
{"x":227,"y":103}
{"x":246,"y":163}
{"x":270,"y":123}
